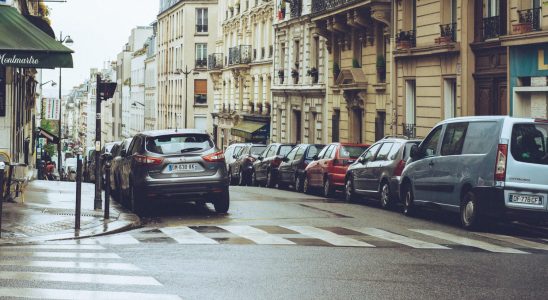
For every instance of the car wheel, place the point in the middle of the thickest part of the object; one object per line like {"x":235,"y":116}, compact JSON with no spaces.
{"x":298,"y":183}
{"x":137,"y":201}
{"x":242,"y":180}
{"x":254,"y":181}
{"x":408,"y":201}
{"x":270,"y":180}
{"x":221,"y":202}
{"x":230,"y":177}
{"x":386,"y":200}
{"x":307,"y":189}
{"x":349,"y":192}
{"x":470,"y":217}
{"x":327,"y":188}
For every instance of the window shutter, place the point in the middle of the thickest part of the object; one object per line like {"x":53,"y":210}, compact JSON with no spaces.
{"x":200,"y":86}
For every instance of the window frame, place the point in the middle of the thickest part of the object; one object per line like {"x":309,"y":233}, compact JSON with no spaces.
{"x":427,"y":140}
{"x":202,"y":20}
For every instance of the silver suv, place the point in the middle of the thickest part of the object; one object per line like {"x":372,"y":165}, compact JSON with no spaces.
{"x":481,"y":166}
{"x":183,"y":164}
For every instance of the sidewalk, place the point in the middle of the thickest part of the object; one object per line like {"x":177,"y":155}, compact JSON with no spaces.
{"x":46,"y":212}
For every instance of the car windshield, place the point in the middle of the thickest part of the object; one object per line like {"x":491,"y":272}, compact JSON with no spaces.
{"x":529,"y":143}
{"x":257,"y":150}
{"x":285,"y":149}
{"x":179,"y":143}
{"x":352,"y":151}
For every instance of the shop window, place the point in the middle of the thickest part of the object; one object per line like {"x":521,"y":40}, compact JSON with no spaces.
{"x":200,"y":92}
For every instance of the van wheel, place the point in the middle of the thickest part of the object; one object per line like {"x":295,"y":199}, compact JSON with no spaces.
{"x":221,"y":202}
{"x":386,"y":201}
{"x":408,"y":201}
{"x":470,"y":217}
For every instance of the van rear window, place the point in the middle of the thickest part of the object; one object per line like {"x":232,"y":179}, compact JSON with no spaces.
{"x":529,"y":143}
{"x":180,"y":143}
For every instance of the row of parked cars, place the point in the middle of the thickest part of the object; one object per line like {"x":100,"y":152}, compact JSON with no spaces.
{"x":478,"y":167}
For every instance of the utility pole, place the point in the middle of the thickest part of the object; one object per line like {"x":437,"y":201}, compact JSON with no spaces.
{"x":97,"y":202}
{"x":186,"y":72}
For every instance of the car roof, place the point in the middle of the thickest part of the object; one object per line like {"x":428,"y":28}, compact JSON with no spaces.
{"x":154,"y":133}
{"x":485,"y":118}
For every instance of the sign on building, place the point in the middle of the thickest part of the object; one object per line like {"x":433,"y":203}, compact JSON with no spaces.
{"x":52,"y":108}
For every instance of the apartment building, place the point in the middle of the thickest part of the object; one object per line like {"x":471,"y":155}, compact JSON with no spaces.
{"x":151,"y":80}
{"x":137,"y":85}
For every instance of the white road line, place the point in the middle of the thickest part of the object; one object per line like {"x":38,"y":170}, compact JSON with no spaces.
{"x":185,"y":235}
{"x":56,"y":247}
{"x":400,"y":239}
{"x":71,"y":265}
{"x":257,"y":235}
{"x":328,"y":236}
{"x":515,"y":240}
{"x":79,"y":294}
{"x":122,"y":239}
{"x":468,"y":242}
{"x":59,"y":254}
{"x":80,"y":278}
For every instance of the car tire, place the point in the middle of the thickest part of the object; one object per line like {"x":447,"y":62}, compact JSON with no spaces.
{"x":470,"y":216}
{"x":241,"y":179}
{"x":307,"y":189}
{"x":230,"y":177}
{"x":349,"y":191}
{"x":298,"y":183}
{"x":386,"y":199}
{"x":137,"y":200}
{"x":327,"y":187}
{"x":270,"y":183}
{"x":254,"y":181}
{"x":221,"y":202}
{"x":408,"y":200}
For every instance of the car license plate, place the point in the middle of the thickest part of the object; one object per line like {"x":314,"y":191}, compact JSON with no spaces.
{"x":182,"y":168}
{"x":526,"y":199}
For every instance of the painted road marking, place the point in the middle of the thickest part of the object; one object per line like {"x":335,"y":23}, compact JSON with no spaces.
{"x":328,"y":236}
{"x":400,"y":239}
{"x":257,"y":235}
{"x":122,"y":239}
{"x":59,"y":254}
{"x":79,"y":294}
{"x":72,"y":265}
{"x":80,"y":278}
{"x":56,"y":247}
{"x":514,"y":240}
{"x":468,"y":242}
{"x":185,"y":235}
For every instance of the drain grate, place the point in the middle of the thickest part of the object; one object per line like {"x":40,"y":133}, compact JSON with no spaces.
{"x":71,"y":212}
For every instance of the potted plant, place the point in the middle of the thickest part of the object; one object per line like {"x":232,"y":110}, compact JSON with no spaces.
{"x":295,"y":75}
{"x":404,"y":40}
{"x":381,"y":68}
{"x":281,"y":75}
{"x":524,"y":25}
{"x":313,"y":72}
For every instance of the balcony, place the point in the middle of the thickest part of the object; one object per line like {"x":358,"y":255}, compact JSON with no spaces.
{"x":491,"y":27}
{"x":320,"y":6}
{"x":215,"y":61}
{"x":529,"y":20}
{"x":201,"y":63}
{"x":406,"y":39}
{"x":296,"y":7}
{"x":239,"y":55}
{"x":409,"y":130}
{"x":448,"y":33}
{"x":201,"y":28}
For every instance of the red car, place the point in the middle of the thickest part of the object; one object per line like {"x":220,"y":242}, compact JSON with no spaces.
{"x":329,"y":167}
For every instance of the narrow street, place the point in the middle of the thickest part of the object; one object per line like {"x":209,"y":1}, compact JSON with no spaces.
{"x":279,"y":245}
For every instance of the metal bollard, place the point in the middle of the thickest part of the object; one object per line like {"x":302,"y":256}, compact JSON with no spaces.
{"x":107,"y":186}
{"x":2,"y":167}
{"x":78,"y":192}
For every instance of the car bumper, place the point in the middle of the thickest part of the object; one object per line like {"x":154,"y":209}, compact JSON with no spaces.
{"x":338,"y":179}
{"x":493,"y":203}
{"x":189,"y":186}
{"x":395,"y":187}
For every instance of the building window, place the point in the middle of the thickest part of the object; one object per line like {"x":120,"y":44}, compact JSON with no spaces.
{"x":312,"y":128}
{"x":449,"y":98}
{"x":297,"y":125}
{"x":200,"y":92}
{"x":201,"y":20}
{"x":336,"y":118}
{"x":410,"y":15}
{"x":200,"y":122}
{"x":201,"y":55}
{"x":410,"y":104}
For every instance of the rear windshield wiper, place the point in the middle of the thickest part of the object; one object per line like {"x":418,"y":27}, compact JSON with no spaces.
{"x":190,"y":149}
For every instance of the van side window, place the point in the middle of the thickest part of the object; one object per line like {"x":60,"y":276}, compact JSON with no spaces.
{"x":453,"y":139}
{"x":478,"y":141}
{"x":430,"y":144}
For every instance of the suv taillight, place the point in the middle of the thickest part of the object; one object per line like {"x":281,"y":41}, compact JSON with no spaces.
{"x":148,"y":160}
{"x":214,"y":157}
{"x":399,"y":168}
{"x":500,"y":165}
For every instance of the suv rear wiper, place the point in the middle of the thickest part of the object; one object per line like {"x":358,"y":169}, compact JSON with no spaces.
{"x":190,"y":149}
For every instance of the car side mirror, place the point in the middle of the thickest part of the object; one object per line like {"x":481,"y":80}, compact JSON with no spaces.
{"x":260,"y":158}
{"x":315,"y":157}
{"x":415,"y":152}
{"x":362,"y":160}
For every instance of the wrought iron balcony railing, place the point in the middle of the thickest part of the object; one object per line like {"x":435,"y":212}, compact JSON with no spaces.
{"x":239,"y":55}
{"x":201,"y":63}
{"x":406,"y":39}
{"x":319,"y":6}
{"x":201,"y":28}
{"x":449,"y":31}
{"x":215,"y":61}
{"x":409,"y":130}
{"x":531,"y":16}
{"x":296,"y":7}
{"x":491,"y":27}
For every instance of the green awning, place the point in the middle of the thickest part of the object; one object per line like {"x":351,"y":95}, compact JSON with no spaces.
{"x":248,"y":130}
{"x":24,"y":45}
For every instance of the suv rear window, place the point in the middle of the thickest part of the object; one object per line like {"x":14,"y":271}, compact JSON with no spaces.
{"x":351,"y":151}
{"x":529,"y":143}
{"x":179,"y":143}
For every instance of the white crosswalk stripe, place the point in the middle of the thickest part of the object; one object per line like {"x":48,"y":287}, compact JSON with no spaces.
{"x":400,"y":239}
{"x":59,"y":254}
{"x":121,"y":239}
{"x":71,"y":265}
{"x":57,"y":247}
{"x":328,"y":236}
{"x":80,"y":277}
{"x":80,"y":294}
{"x":257,"y":235}
{"x":515,"y":240}
{"x":185,"y":235}
{"x":468,"y":242}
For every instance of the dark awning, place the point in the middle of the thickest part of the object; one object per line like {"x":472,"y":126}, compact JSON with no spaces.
{"x":24,"y":45}
{"x":250,"y":130}
{"x":48,"y":135}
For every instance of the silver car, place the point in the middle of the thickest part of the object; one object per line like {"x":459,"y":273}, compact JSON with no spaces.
{"x":491,"y":166}
{"x":182,"y":164}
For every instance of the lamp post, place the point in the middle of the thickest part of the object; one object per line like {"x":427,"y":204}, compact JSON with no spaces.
{"x":186,"y":72}
{"x":134,"y":104}
{"x":67,"y":40}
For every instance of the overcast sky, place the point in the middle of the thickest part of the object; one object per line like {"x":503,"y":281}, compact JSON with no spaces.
{"x":99,"y":28}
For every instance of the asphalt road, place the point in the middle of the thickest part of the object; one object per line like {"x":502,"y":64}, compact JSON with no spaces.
{"x":283,"y":245}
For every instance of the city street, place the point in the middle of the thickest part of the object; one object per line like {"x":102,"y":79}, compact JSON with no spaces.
{"x":283,"y":245}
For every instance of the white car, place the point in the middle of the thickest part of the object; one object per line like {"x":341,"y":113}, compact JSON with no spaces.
{"x":70,"y":168}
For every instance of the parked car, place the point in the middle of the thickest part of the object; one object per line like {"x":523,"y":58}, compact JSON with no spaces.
{"x":115,"y":174}
{"x":69,"y":169}
{"x":107,"y":149}
{"x":292,"y":167}
{"x":90,"y":166}
{"x":265,"y":168}
{"x":230,"y":151}
{"x":376,"y":173}
{"x":240,"y":170}
{"x":479,"y":167}
{"x":328,"y":170}
{"x":182,"y":164}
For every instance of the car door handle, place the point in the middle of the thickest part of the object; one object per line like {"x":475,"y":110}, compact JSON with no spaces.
{"x":431,"y":163}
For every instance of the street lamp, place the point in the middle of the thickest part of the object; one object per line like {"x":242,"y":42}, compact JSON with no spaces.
{"x":186,"y":72}
{"x":134,"y":104}
{"x":53,"y":83}
{"x":68,"y":41}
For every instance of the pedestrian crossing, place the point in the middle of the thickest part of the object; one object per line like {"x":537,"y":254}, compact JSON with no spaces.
{"x":295,"y":235}
{"x":43,"y":272}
